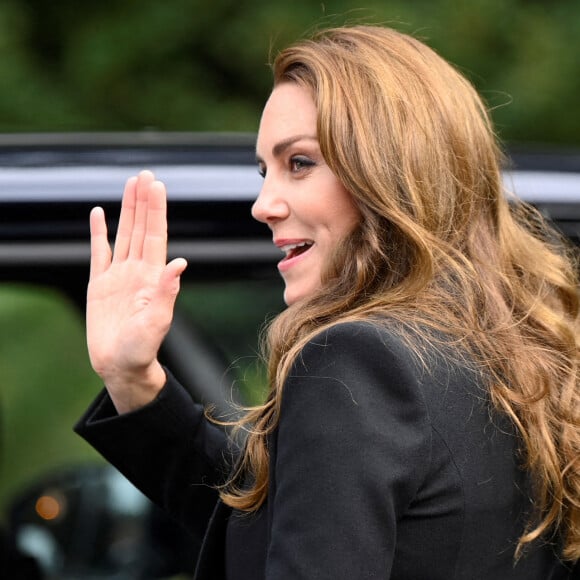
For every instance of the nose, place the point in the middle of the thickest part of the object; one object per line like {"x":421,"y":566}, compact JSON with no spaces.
{"x":270,"y":206}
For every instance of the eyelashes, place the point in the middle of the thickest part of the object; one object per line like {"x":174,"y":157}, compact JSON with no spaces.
{"x":296,"y":165}
{"x":300,"y":162}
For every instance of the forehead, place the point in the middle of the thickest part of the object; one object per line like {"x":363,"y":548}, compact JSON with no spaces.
{"x":290,"y":111}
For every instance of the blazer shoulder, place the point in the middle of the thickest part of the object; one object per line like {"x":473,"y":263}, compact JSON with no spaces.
{"x":369,"y":364}
{"x":408,"y":362}
{"x":364,"y":341}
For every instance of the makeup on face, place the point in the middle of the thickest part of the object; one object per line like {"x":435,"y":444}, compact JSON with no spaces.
{"x":305,"y":205}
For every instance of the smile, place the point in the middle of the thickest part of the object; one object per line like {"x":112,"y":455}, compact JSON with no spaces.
{"x":294,"y":250}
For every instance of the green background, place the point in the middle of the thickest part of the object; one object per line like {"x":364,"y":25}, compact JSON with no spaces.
{"x":191,"y":65}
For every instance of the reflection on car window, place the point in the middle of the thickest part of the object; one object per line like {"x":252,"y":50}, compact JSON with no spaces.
{"x":230,"y":315}
{"x":46,"y":384}
{"x":47,"y":381}
{"x":48,"y":475}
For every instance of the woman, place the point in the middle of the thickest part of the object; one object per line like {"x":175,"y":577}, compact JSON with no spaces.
{"x":423,"y":417}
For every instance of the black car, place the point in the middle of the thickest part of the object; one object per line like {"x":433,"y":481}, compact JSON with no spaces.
{"x":66,"y":514}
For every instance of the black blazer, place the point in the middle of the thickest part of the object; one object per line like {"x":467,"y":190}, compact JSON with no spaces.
{"x":384,"y":465}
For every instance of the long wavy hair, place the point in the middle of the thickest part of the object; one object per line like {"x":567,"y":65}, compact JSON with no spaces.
{"x":438,"y":247}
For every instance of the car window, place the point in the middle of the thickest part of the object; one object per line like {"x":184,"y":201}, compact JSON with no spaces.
{"x":230,"y":316}
{"x":46,"y":382}
{"x":49,"y":475}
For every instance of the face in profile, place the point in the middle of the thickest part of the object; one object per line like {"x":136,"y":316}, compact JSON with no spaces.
{"x":306,"y":207}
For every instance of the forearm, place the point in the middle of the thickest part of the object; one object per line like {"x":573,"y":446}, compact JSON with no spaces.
{"x":168,"y":449}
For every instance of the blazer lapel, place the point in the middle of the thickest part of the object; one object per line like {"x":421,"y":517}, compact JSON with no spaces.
{"x":212,"y":560}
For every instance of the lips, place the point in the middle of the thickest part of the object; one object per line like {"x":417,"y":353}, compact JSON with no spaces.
{"x":295,"y":249}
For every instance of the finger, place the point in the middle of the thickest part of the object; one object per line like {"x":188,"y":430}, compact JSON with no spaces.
{"x":155,"y":242}
{"x":169,"y":280}
{"x":126,"y":220}
{"x":174,"y":269}
{"x":144,"y":181}
{"x":100,"y":249}
{"x":167,"y":292}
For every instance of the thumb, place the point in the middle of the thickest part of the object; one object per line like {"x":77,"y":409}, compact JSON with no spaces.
{"x":167,"y":291}
{"x":169,"y":280}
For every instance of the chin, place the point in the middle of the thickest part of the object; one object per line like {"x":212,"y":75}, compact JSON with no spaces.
{"x":294,"y":295}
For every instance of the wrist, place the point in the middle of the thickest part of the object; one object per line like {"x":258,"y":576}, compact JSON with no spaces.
{"x":131,"y":390}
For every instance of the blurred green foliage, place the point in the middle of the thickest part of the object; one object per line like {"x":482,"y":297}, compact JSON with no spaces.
{"x":230,"y":319}
{"x":46,"y":384}
{"x":194,"y":65}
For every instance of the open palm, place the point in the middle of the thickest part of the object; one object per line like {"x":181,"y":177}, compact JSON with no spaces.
{"x":131,"y":294}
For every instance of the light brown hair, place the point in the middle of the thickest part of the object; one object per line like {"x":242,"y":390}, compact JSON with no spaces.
{"x":438,"y":247}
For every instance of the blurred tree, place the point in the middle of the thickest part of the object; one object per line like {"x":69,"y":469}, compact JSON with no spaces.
{"x":195,"y":65}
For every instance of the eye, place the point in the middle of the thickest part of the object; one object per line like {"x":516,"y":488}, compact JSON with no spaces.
{"x":262,"y":170}
{"x":299,"y":163}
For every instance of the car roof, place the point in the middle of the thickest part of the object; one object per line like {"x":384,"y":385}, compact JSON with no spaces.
{"x":40,"y":167}
{"x":94,"y":167}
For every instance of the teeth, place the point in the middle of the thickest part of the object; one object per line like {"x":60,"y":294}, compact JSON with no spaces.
{"x":288,"y":248}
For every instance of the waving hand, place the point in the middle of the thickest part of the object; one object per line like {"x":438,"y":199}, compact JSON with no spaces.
{"x":131,"y":294}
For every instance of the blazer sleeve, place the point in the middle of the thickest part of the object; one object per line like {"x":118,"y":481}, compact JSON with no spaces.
{"x":167,"y":449}
{"x":353,"y":447}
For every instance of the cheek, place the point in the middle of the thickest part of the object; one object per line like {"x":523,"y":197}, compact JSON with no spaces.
{"x":339,"y":200}
{"x":346,"y":207}
{"x":348,"y":215}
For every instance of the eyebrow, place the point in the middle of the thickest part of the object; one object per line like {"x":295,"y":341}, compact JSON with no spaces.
{"x":281,"y":146}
